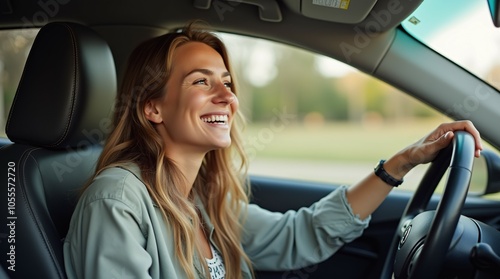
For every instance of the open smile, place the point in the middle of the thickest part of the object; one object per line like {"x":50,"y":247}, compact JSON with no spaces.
{"x":215,"y":119}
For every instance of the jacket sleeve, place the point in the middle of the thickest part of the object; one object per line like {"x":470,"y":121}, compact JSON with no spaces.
{"x":107,"y":243}
{"x":296,"y":239}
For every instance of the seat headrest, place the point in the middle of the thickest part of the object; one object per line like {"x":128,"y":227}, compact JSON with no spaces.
{"x":66,"y":91}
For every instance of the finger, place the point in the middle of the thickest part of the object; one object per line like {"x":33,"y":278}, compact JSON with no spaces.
{"x":445,"y":139}
{"x":469,"y":127}
{"x":440,"y":143}
{"x":477,"y":138}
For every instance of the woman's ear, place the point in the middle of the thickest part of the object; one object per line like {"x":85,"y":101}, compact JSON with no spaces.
{"x":152,"y":113}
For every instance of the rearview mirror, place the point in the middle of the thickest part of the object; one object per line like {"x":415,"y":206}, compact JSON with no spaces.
{"x":494,"y":11}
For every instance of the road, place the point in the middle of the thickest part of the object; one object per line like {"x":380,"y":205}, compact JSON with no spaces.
{"x":331,"y":172}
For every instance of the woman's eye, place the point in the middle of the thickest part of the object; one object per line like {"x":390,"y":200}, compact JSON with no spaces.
{"x":228,"y":84}
{"x":201,"y":81}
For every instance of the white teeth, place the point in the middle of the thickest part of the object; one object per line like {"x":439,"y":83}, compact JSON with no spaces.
{"x":221,"y":119}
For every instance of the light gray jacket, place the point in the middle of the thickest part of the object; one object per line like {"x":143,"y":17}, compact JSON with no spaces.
{"x":118,"y":232}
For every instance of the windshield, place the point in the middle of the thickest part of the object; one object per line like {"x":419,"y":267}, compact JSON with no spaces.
{"x":461,"y":31}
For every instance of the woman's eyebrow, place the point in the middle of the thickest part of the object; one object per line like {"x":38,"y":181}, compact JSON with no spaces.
{"x":207,"y":72}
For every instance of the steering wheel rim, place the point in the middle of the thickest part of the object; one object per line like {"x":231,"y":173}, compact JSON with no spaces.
{"x":459,"y":158}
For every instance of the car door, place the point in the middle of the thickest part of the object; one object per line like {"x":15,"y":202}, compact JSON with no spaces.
{"x":365,"y":256}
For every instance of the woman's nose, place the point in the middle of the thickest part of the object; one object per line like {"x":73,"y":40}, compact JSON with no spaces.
{"x":224,"y":95}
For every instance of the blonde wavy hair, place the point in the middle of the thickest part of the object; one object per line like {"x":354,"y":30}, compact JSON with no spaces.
{"x":220,"y":182}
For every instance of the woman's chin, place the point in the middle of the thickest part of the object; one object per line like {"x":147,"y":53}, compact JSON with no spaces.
{"x":223,"y":144}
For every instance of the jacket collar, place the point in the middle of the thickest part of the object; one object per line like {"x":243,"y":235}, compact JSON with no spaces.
{"x":135,"y":170}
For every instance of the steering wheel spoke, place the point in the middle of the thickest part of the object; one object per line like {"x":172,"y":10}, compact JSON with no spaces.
{"x":420,"y":245}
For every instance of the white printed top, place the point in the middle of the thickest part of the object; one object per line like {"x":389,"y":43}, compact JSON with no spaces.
{"x":216,"y":265}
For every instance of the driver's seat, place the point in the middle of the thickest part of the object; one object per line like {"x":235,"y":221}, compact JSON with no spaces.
{"x":56,"y":123}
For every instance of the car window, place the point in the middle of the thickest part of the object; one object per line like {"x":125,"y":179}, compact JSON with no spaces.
{"x":313,"y":118}
{"x":309,"y":117}
{"x":14,"y":49}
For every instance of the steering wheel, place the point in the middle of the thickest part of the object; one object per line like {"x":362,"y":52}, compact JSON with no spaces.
{"x":422,"y":241}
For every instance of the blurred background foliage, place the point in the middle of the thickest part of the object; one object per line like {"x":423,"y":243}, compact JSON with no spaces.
{"x":270,"y":75}
{"x":312,"y":87}
{"x":14,"y":49}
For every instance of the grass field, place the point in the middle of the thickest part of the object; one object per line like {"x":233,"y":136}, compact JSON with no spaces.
{"x":334,"y":152}
{"x":341,"y":142}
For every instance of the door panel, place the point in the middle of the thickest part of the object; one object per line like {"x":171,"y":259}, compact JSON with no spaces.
{"x":364,"y":257}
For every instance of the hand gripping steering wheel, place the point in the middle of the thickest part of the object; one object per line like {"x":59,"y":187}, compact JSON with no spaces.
{"x":418,"y":251}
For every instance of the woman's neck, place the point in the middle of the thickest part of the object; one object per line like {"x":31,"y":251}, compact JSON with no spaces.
{"x":189,"y":165}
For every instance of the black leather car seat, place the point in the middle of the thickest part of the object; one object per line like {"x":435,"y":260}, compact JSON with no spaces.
{"x":60,"y":115}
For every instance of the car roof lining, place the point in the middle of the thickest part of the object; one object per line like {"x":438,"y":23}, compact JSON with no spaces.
{"x":361,"y":43}
{"x":92,"y":12}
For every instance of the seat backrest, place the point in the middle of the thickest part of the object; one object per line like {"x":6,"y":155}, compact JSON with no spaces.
{"x":59,"y":116}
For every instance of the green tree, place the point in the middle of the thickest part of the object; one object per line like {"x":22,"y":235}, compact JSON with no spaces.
{"x":14,"y":49}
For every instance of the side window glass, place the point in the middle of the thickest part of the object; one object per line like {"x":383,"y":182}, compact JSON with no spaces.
{"x":14,"y":49}
{"x":314,"y":118}
{"x":309,"y":117}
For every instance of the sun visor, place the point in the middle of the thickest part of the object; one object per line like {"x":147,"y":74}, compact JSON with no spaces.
{"x":379,"y":15}
{"x":374,"y":15}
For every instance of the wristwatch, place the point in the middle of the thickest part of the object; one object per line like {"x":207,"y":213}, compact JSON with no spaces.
{"x":387,"y":178}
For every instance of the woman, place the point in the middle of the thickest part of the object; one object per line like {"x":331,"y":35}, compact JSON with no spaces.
{"x":168,"y":199}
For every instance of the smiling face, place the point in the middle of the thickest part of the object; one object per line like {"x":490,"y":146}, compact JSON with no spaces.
{"x":197,"y":110}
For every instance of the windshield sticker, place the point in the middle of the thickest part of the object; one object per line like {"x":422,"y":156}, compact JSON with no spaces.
{"x":338,"y":4}
{"x":414,"y":20}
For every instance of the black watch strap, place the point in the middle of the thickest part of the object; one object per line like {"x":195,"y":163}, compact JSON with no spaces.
{"x":387,"y":178}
